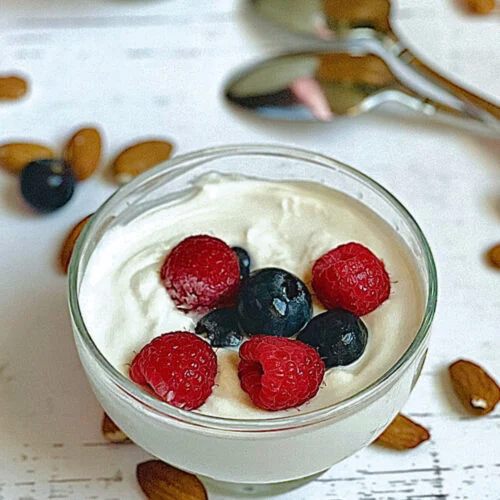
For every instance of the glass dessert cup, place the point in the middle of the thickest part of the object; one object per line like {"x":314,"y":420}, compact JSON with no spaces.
{"x":245,"y":454}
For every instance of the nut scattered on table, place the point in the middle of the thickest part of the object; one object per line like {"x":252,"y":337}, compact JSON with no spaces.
{"x":140,"y":157}
{"x":83,"y":152}
{"x":69,"y":244}
{"x":480,"y":6}
{"x":494,"y":256}
{"x":160,"y":481}
{"x":12,"y":88}
{"x":403,"y":434}
{"x":14,"y":156}
{"x":477,"y":390}
{"x":112,"y":432}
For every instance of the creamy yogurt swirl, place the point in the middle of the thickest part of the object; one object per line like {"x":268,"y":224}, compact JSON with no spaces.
{"x":286,"y":224}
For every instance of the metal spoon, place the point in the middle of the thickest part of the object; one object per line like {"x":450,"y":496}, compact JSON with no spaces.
{"x":357,"y":19}
{"x":310,"y":86}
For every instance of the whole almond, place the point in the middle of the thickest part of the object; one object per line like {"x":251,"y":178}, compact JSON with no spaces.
{"x":112,"y":432}
{"x":494,"y":256}
{"x":480,"y":6}
{"x":140,"y":157}
{"x":12,"y":87}
{"x":83,"y":152}
{"x":403,"y":434}
{"x":160,"y":481}
{"x":69,"y":244}
{"x":477,"y":391}
{"x":14,"y":156}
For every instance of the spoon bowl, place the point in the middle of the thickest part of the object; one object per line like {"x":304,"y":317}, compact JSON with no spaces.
{"x":329,"y":19}
{"x":312,"y":86}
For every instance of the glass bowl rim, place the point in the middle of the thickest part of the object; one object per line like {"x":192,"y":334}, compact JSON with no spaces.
{"x":163,"y":409}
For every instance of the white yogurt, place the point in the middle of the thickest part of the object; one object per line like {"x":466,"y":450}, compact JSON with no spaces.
{"x":287,"y":225}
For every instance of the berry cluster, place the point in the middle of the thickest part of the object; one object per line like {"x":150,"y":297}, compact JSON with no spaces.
{"x":204,"y":276}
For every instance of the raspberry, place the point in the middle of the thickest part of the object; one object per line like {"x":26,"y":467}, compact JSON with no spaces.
{"x":350,"y":277}
{"x":179,"y":367}
{"x":201,"y":273}
{"x":279,"y":373}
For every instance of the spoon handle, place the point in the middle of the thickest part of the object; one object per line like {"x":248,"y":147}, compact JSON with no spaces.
{"x":430,"y":107}
{"x":464,"y":95}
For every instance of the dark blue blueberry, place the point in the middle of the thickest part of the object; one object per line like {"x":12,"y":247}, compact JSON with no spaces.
{"x":244,"y":260}
{"x":47,"y":184}
{"x":273,"y":302}
{"x":220,"y":327}
{"x":338,"y":335}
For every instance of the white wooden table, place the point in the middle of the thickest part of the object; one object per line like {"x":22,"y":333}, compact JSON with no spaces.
{"x":156,"y":68}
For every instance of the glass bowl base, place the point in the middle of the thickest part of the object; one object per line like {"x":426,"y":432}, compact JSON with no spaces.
{"x":250,"y":490}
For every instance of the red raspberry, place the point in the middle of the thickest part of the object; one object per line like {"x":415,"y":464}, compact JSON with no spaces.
{"x":351,"y":277}
{"x":201,"y":273}
{"x":279,"y":373}
{"x":179,"y":367}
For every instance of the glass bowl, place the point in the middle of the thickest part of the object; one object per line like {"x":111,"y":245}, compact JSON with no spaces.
{"x":243,"y":455}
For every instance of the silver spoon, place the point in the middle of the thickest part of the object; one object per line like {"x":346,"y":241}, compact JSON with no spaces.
{"x":311,"y":86}
{"x":358,"y":19}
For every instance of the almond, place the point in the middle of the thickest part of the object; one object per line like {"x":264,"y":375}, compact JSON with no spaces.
{"x":480,"y":6}
{"x":83,"y":152}
{"x":494,"y":256}
{"x":140,"y":157}
{"x":160,"y":481}
{"x":403,"y":434}
{"x":477,"y":391}
{"x":14,"y":156}
{"x":112,"y":432}
{"x":69,"y":244}
{"x":12,"y":87}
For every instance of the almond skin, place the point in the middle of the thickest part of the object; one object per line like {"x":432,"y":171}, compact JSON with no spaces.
{"x":112,"y":432}
{"x":160,"y":481}
{"x":14,"y":156}
{"x":140,"y":157}
{"x":403,"y":434}
{"x":83,"y":152}
{"x":494,"y":256}
{"x":69,"y":244}
{"x":480,"y":6}
{"x":477,"y":391}
{"x":12,"y":88}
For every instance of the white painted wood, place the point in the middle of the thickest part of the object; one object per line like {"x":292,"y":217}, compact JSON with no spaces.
{"x":157,"y":68}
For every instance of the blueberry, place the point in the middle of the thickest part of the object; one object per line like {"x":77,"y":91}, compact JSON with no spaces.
{"x":220,"y":327}
{"x":47,"y":184}
{"x":244,"y":260}
{"x":272,"y":301}
{"x":338,"y":335}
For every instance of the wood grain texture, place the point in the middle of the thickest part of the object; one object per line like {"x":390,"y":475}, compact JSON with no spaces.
{"x":140,"y":69}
